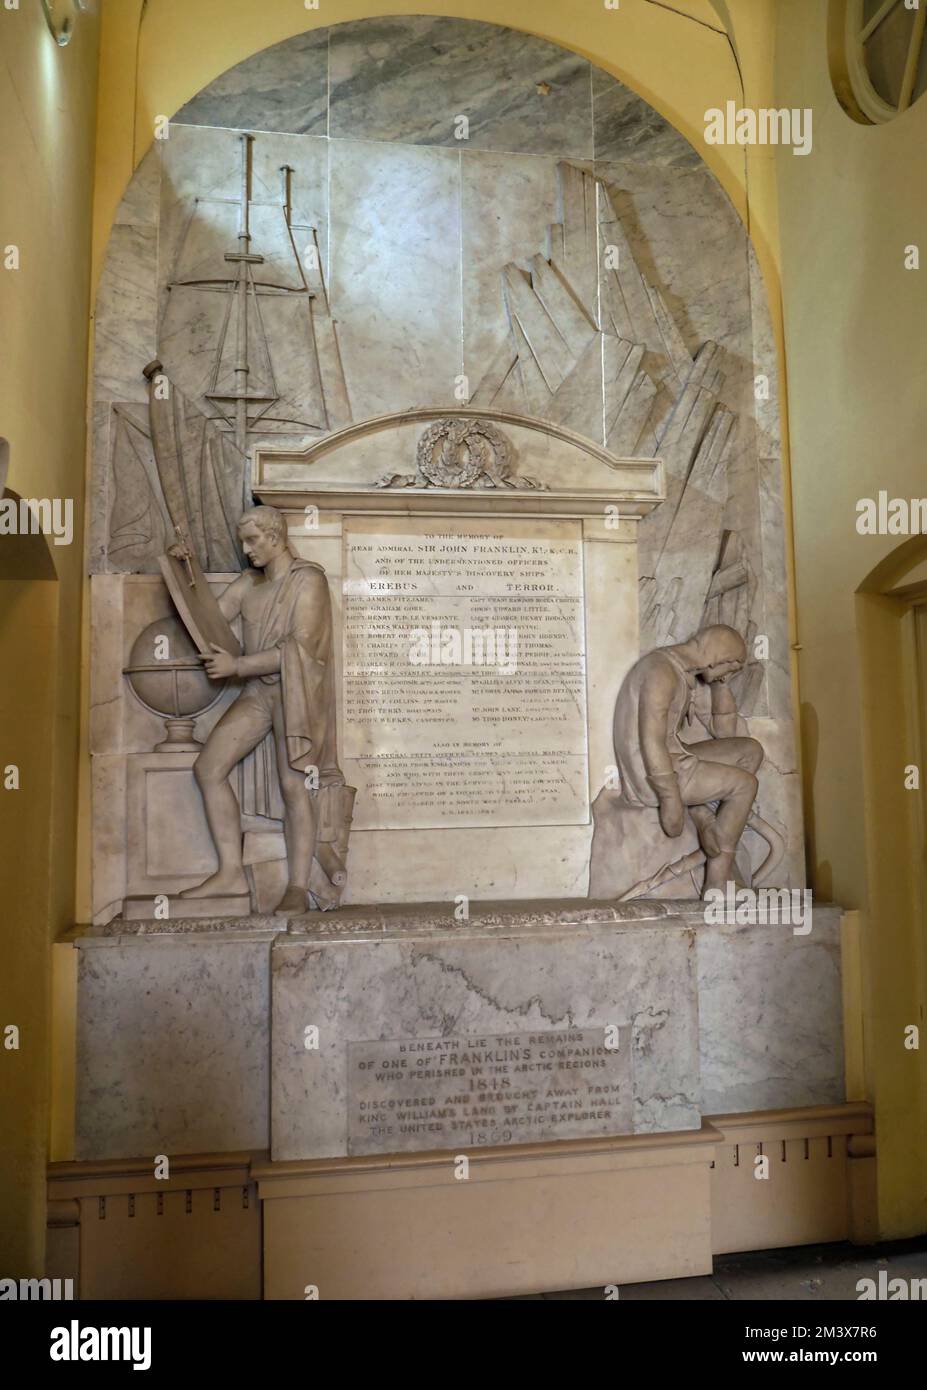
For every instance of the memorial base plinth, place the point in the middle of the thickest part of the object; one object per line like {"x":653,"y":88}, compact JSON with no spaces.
{"x":148,"y":908}
{"x":401,"y":1030}
{"x":570,"y":1215}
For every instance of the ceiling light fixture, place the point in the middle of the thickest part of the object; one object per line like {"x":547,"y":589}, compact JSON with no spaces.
{"x":63,"y":29}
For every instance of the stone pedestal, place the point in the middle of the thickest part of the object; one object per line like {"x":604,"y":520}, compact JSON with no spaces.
{"x":400,"y":1029}
{"x":173,"y":1039}
{"x":518,"y":1026}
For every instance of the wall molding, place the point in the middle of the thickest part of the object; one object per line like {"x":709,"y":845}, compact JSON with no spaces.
{"x":530,"y":1217}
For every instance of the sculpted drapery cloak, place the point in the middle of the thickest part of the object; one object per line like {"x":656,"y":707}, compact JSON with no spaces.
{"x":299,"y":622}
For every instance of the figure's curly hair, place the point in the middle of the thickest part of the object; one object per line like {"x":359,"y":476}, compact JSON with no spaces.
{"x":266,"y":519}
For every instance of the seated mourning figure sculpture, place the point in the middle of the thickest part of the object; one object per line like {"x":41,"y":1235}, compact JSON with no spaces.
{"x":685,"y":769}
{"x":286,"y":673}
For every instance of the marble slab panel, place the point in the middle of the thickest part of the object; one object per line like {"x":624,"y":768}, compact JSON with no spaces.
{"x":495,"y":232}
{"x":395,"y":284}
{"x":408,"y":77}
{"x":98,"y":500}
{"x":775,"y":591}
{"x":108,"y":868}
{"x":766,"y":361}
{"x":141,"y":203}
{"x":125,"y":323}
{"x":499,"y":737}
{"x":770,"y":1016}
{"x":779,"y":797}
{"x":521,"y":983}
{"x":771,"y":500}
{"x":107,"y":658}
{"x":172,"y":1048}
{"x":689,"y":244}
{"x":610,"y":569}
{"x":627,"y":128}
{"x":282,"y":88}
{"x":417,"y":866}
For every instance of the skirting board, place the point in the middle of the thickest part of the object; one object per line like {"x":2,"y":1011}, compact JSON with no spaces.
{"x":525,"y":1219}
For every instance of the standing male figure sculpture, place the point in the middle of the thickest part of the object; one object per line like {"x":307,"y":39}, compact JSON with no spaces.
{"x":658,"y":700}
{"x":288,"y":676}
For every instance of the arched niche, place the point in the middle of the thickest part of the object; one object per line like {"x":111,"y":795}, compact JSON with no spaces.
{"x":572,"y":259}
{"x":571,"y":262}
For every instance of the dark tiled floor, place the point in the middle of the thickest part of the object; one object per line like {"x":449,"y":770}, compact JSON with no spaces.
{"x":804,"y":1274}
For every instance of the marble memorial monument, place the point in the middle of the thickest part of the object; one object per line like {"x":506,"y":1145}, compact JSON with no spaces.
{"x":466,"y":436}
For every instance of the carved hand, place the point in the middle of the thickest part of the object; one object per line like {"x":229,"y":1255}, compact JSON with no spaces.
{"x":672,"y":814}
{"x":221,"y":665}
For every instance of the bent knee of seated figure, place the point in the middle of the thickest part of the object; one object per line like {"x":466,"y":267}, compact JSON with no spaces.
{"x":738,"y":782}
{"x":753,"y":754}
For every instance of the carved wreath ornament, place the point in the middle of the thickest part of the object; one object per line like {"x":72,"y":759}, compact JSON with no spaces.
{"x":461,"y":454}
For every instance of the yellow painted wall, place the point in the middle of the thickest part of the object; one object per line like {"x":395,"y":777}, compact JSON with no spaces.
{"x":856,"y":351}
{"x":47,"y":116}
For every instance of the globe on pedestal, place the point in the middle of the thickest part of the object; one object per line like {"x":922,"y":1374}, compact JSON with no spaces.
{"x":167,"y":676}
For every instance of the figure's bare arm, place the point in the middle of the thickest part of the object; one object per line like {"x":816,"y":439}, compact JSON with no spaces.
{"x":653,"y":715}
{"x":221,"y":665}
{"x":231,"y":598}
{"x":259,"y":663}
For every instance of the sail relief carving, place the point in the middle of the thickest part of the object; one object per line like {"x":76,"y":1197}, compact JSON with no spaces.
{"x":250,"y":356}
{"x":592,"y":345}
{"x":247,"y":353}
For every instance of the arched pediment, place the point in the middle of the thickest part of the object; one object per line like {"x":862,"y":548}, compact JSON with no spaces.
{"x":485,"y":460}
